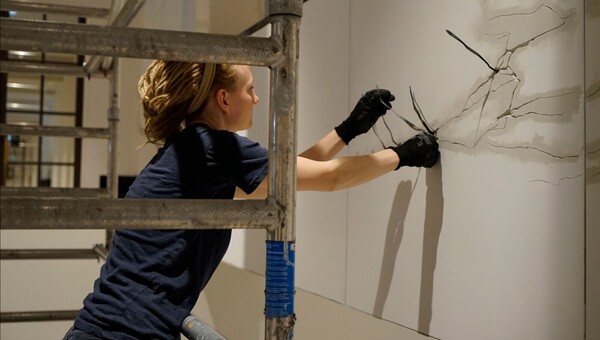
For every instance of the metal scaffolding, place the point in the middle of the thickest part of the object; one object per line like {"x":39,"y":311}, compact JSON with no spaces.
{"x":100,"y":209}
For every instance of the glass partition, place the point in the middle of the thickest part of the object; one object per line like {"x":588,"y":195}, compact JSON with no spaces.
{"x":41,"y":100}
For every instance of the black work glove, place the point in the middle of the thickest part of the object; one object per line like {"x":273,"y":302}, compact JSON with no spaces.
{"x":421,"y":150}
{"x":369,"y":108}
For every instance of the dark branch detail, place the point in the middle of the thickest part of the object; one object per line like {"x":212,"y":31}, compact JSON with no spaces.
{"x":473,"y":51}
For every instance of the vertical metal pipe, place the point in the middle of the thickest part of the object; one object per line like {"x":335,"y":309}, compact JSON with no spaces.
{"x":78,"y":119}
{"x":279,"y":292}
{"x":113,"y":125}
{"x":40,"y":140}
{"x":283,"y":128}
{"x":4,"y":144}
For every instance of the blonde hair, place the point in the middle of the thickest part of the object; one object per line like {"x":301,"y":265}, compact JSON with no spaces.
{"x":172,"y":91}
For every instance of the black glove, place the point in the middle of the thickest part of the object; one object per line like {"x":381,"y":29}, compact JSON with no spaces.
{"x":420,"y":151}
{"x":369,"y":108}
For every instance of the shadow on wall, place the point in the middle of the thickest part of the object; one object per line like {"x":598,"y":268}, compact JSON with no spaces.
{"x":434,"y":212}
{"x":393,"y":239}
{"x":434,"y":217}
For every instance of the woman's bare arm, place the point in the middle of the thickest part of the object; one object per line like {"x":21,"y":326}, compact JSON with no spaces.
{"x":326,"y":148}
{"x":336,"y":174}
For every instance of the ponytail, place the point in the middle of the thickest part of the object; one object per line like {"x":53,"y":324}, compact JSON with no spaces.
{"x":170,"y":91}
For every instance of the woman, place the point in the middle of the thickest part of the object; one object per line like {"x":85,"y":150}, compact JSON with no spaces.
{"x":152,"y":278}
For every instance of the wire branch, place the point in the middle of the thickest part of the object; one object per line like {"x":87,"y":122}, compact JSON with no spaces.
{"x":472,"y":51}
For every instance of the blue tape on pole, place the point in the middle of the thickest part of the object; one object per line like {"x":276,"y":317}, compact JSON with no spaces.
{"x":279,"y":292}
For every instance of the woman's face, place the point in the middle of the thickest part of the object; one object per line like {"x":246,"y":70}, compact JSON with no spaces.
{"x":242,"y":100}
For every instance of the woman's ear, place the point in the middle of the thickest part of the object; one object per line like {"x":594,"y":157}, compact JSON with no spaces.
{"x":221,"y":98}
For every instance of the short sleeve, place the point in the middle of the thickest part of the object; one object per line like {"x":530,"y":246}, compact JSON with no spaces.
{"x":238,"y":160}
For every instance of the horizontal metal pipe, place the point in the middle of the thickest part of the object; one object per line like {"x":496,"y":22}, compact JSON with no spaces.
{"x":36,"y":163}
{"x":49,"y":254}
{"x":54,"y":8}
{"x":38,"y":316}
{"x":101,"y":213}
{"x":37,"y":112}
{"x":196,"y":329}
{"x":57,"y":131}
{"x":53,"y":192}
{"x":48,"y":68}
{"x":32,"y":35}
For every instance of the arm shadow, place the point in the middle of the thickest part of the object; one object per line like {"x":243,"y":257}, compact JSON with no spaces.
{"x":393,"y":239}
{"x":434,"y":216}
{"x":434,"y":212}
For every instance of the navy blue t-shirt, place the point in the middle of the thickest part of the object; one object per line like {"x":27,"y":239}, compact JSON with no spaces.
{"x":152,"y":278}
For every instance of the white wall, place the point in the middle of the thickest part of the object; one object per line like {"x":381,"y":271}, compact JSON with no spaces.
{"x":487,"y":245}
{"x":490,"y":243}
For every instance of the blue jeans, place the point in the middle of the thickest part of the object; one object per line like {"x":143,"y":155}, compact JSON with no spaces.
{"x":76,"y":334}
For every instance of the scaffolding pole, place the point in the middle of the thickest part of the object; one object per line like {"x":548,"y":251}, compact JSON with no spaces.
{"x":106,"y":213}
{"x":56,"y":131}
{"x":112,"y":178}
{"x":127,"y":42}
{"x":38,"y":316}
{"x":48,"y":68}
{"x":37,"y":192}
{"x":196,"y":329}
{"x":98,"y":252}
{"x":280,"y":253}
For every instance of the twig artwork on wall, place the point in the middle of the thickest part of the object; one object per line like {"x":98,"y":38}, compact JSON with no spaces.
{"x":494,"y":108}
